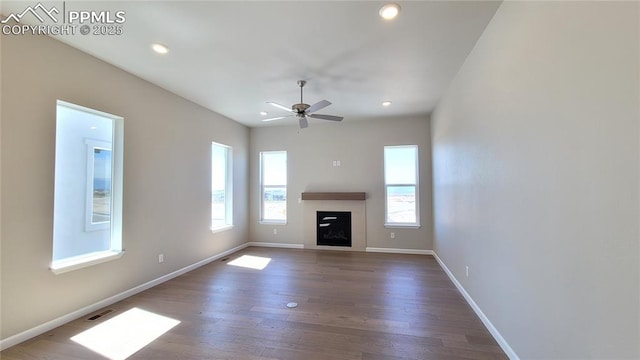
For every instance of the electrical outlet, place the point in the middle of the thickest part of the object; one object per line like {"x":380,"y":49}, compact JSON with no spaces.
{"x":467,"y":271}
{"x":161,"y":258}
{"x":393,"y":235}
{"x":275,"y":231}
{"x":338,"y":162}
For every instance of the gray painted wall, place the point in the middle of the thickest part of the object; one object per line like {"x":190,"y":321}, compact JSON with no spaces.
{"x":359,"y":147}
{"x":167,"y":179}
{"x":535,"y":166}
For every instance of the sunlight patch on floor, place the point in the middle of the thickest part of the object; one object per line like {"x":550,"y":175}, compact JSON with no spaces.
{"x":251,"y":262}
{"x":122,"y":336}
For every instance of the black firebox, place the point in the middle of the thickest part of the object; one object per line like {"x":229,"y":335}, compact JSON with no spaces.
{"x":334,"y":228}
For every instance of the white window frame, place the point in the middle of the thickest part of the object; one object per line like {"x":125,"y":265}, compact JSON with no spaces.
{"x":115,"y":250}
{"x":228,"y":189}
{"x":89,"y":225}
{"x":416,"y":184}
{"x":263,"y":187}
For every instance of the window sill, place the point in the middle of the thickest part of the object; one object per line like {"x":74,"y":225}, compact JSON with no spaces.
{"x":273,"y":222}
{"x":221,"y":228}
{"x":402,"y":226}
{"x":83,"y":261}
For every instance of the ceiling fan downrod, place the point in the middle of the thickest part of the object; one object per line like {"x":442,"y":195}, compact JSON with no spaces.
{"x":301,"y":83}
{"x":300,"y":108}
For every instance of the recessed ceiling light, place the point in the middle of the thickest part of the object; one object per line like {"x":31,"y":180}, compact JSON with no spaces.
{"x":386,"y":103}
{"x":160,"y":48}
{"x":389,"y":11}
{"x":263,"y":113}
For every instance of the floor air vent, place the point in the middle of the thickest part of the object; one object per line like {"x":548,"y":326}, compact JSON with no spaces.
{"x":97,"y":316}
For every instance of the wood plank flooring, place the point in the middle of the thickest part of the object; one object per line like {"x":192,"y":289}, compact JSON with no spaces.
{"x":351,"y":305}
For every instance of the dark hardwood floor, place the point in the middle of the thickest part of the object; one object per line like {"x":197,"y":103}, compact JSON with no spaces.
{"x":350,"y":306}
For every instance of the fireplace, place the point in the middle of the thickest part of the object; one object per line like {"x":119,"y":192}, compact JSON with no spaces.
{"x":333,"y":228}
{"x":328,"y":204}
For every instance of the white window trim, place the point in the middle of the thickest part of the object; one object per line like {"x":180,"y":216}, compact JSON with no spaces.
{"x":412,"y":225}
{"x":273,"y":222}
{"x":262,"y":220}
{"x":221,"y":228}
{"x":86,"y":260}
{"x":117,"y":157}
{"x":402,"y":226}
{"x":228,"y":191}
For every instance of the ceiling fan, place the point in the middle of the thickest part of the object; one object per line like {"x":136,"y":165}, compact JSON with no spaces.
{"x":302,"y":110}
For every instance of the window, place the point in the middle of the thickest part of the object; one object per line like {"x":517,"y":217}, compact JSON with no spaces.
{"x":273,"y":183}
{"x":99,"y":165}
{"x":401,"y":185}
{"x":221,"y":187}
{"x":87,"y":214}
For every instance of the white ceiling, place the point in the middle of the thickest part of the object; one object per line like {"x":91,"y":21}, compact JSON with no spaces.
{"x":233,"y":56}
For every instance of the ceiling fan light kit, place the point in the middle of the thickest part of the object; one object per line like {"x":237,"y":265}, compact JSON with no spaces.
{"x":302,"y":110}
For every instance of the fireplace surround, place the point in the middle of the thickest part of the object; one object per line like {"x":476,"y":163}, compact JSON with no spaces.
{"x":354,"y":203}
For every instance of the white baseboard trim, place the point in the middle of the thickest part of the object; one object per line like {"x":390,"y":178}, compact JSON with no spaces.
{"x":50,"y":325}
{"x":275,"y":245}
{"x":368,"y":249}
{"x":492,"y":329}
{"x":399,"y":251}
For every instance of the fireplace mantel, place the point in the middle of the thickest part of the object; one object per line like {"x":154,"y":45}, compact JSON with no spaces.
{"x":334,"y":196}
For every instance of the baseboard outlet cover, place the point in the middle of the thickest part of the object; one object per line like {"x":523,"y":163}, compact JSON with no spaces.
{"x":492,"y":329}
{"x":399,"y":251}
{"x":275,"y":245}
{"x":50,"y":325}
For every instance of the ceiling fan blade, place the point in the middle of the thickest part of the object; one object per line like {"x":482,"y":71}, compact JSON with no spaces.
{"x":277,"y":118}
{"x":326,"y":117}
{"x":280,"y":106}
{"x":303,"y":122}
{"x":317,"y":106}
